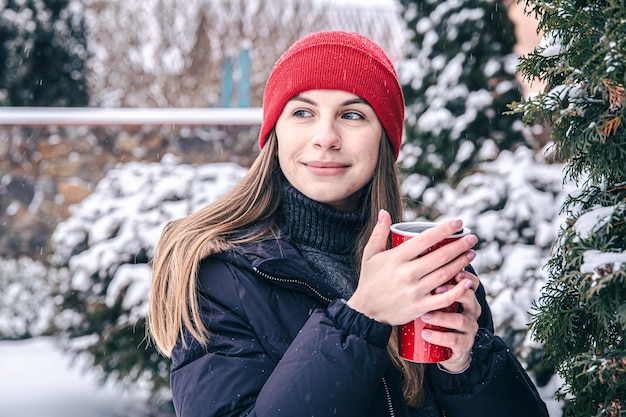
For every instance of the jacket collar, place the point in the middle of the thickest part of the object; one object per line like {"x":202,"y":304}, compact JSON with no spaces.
{"x":278,"y":260}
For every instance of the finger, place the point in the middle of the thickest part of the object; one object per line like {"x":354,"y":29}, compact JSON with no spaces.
{"x":452,"y":250}
{"x":442,"y":275}
{"x":475,"y":282}
{"x":418,"y":244}
{"x":378,"y":240}
{"x":458,"y":322}
{"x":460,"y":343}
{"x":470,"y":305}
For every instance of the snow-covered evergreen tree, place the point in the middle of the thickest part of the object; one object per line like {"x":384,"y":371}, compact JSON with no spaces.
{"x":581,"y":315}
{"x":458,"y":77}
{"x":43,"y":53}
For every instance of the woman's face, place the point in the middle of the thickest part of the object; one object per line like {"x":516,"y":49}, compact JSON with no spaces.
{"x":328,"y":143}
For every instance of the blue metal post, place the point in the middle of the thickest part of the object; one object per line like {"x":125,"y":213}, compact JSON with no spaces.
{"x":227,"y":82}
{"x":244,"y":82}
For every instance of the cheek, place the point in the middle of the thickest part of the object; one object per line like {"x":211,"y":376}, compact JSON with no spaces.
{"x":372,"y":168}
{"x":284,"y":159}
{"x":283,"y":166}
{"x":373,"y":159}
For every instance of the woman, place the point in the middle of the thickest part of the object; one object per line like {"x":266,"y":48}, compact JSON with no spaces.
{"x":280,"y":298}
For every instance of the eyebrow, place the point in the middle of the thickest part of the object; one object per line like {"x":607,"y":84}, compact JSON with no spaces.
{"x":357,"y":100}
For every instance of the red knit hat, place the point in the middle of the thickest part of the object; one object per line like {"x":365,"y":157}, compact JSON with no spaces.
{"x":336,"y":60}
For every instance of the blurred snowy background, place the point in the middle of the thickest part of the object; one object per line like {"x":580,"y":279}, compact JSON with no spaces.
{"x":82,"y":207}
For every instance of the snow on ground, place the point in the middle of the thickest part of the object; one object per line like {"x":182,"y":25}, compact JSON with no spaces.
{"x":38,"y":380}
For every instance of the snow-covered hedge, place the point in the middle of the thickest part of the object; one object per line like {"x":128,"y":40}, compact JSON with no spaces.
{"x":107,"y":244}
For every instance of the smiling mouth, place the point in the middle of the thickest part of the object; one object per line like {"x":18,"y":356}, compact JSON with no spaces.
{"x":323,"y":165}
{"x":326,"y":168}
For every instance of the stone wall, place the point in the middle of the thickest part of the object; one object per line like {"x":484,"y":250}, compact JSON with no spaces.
{"x":43,"y":171}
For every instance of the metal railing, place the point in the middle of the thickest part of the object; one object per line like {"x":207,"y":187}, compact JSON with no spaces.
{"x":92,"y":116}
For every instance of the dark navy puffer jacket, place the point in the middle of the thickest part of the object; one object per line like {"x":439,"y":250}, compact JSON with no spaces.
{"x":284,"y":344}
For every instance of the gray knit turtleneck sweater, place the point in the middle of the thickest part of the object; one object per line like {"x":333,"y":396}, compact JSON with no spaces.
{"x":326,"y":237}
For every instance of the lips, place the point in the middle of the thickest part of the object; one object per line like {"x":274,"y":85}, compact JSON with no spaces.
{"x":320,"y":164}
{"x":326,"y":168}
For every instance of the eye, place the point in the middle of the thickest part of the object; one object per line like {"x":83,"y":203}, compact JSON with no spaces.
{"x":301,"y":113}
{"x":352,"y":115}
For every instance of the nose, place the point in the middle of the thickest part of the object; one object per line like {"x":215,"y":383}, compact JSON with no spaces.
{"x":326,"y":136}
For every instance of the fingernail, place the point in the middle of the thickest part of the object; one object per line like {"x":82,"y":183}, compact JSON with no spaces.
{"x":441,"y":290}
{"x":457,"y":223}
{"x":380,"y":217}
{"x":471,"y":255}
{"x":427,"y":316}
{"x":462,"y":275}
{"x":473,"y":239}
{"x":426,"y":334}
{"x":468,"y":285}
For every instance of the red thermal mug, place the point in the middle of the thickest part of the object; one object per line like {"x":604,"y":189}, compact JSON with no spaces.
{"x":411,"y":344}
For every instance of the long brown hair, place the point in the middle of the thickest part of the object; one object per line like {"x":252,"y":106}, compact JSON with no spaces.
{"x":173,"y":305}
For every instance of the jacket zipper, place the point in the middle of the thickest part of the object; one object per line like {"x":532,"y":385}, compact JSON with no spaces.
{"x":389,"y":402}
{"x":328,"y":300}
{"x":291,"y":281}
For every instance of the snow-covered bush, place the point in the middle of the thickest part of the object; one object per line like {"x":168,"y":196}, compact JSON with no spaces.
{"x":25,"y":304}
{"x":458,"y":77}
{"x":107,"y":244}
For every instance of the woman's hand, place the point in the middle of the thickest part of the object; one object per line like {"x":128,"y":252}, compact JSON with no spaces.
{"x":396,"y":286}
